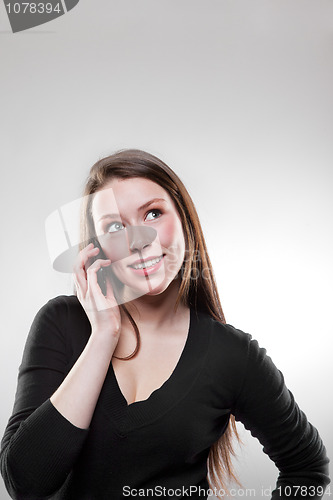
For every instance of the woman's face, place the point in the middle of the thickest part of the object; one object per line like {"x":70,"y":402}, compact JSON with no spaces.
{"x":140,"y":231}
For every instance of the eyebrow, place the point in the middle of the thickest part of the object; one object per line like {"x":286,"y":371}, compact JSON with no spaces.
{"x":145,"y":205}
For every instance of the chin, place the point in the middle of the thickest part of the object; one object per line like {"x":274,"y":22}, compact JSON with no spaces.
{"x":131,"y":293}
{"x":156,"y":291}
{"x":153,"y":289}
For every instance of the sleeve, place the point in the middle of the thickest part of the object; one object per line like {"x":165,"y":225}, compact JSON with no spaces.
{"x":40,"y":446}
{"x":268,"y":410}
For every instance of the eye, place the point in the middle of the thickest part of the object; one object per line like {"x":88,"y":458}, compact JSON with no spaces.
{"x":153,"y":214}
{"x":114,"y":227}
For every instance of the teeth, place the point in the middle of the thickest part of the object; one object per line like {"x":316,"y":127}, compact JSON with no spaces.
{"x":149,"y":263}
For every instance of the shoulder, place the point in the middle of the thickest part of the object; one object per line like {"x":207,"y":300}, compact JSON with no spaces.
{"x":237,"y":362}
{"x":60,"y":303}
{"x":225,"y":339}
{"x":228,"y":352}
{"x":62,"y":307}
{"x":61,"y":317}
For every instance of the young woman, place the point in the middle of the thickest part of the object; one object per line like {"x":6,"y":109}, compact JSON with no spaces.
{"x":132,"y":386}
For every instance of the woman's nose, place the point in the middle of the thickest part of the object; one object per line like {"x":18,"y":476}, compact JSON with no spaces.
{"x":140,"y":236}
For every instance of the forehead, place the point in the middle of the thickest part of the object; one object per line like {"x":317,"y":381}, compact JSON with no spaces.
{"x":126,"y":195}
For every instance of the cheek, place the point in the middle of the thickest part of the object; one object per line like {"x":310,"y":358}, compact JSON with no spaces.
{"x":172,"y":236}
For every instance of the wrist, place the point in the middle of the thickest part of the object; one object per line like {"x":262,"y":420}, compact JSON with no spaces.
{"x":104,"y":338}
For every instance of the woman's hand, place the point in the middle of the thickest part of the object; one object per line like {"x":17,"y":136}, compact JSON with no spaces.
{"x":102,"y":311}
{"x":77,"y":396}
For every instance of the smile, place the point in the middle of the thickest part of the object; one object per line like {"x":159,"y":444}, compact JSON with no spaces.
{"x":147,"y":263}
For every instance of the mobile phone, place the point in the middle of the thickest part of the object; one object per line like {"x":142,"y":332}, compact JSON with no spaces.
{"x":101,"y":273}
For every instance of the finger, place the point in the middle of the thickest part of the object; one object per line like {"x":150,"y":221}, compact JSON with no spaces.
{"x":80,"y":267}
{"x":77,"y":286}
{"x":85,"y":257}
{"x":79,"y":292}
{"x":110,"y":293}
{"x":94,"y":290}
{"x":92,"y":271}
{"x":108,"y":301}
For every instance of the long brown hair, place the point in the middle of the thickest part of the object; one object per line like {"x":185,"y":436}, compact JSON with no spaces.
{"x":200,"y":293}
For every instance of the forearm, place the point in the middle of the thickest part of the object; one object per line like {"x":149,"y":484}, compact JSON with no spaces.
{"x":37,"y":459}
{"x":77,"y":396}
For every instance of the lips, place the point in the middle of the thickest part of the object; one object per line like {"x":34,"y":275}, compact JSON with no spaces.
{"x":146,"y":263}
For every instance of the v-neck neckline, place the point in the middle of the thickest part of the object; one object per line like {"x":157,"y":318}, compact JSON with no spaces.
{"x":175,"y":369}
{"x":128,"y":417}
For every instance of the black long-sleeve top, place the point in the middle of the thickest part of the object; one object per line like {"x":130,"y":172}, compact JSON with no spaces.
{"x":157,"y":447}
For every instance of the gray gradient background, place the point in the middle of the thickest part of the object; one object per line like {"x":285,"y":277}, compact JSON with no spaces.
{"x":237,"y":97}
